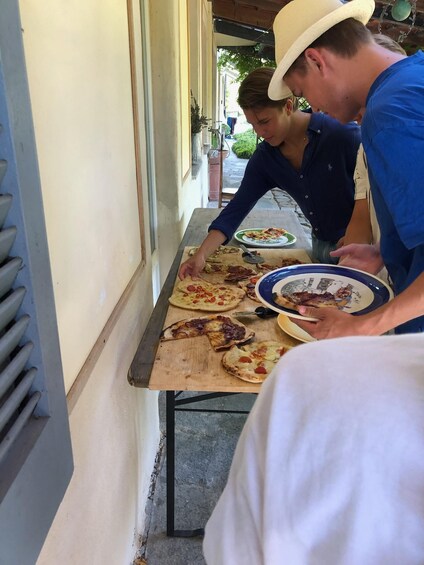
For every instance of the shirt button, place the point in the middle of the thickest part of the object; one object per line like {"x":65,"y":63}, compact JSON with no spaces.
{"x":301,"y":176}
{"x":311,"y":213}
{"x":306,"y":196}
{"x":316,"y":229}
{"x":318,"y":130}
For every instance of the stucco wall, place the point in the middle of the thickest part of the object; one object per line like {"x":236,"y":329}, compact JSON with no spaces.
{"x":79,"y":76}
{"x":177,"y":194}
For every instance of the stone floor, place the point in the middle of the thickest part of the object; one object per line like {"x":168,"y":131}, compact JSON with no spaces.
{"x":205,"y":442}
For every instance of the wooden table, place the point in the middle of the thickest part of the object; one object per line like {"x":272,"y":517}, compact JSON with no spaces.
{"x":162,"y":366}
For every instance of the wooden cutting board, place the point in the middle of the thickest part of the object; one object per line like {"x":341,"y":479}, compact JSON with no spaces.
{"x":192,"y":364}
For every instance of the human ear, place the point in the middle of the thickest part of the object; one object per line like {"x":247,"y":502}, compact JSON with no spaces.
{"x":314,"y":58}
{"x":289,"y":106}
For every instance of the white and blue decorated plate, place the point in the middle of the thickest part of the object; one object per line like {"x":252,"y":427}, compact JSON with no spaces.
{"x":361,"y":291}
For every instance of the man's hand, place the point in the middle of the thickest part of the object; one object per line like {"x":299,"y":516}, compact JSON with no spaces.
{"x":330,"y":323}
{"x":360,"y":256}
{"x":192,"y":267}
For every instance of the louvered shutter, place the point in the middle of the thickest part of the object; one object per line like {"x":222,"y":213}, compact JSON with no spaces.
{"x":35,"y":449}
{"x":17,"y":400}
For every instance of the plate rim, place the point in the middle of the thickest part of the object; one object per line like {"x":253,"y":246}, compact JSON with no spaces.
{"x":282,"y":316}
{"x":328,"y":267}
{"x":292,"y":237}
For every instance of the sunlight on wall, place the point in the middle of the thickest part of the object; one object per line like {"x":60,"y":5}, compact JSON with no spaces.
{"x":79,"y":76}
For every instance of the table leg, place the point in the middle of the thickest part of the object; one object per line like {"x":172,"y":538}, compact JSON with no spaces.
{"x":170,"y":462}
{"x":170,"y":473}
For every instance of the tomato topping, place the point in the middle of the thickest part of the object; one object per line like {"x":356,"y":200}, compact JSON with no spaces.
{"x":191,"y":288}
{"x":212,"y":299}
{"x":282,"y":351}
{"x":260,"y":370}
{"x":245,"y":360}
{"x":220,"y":303}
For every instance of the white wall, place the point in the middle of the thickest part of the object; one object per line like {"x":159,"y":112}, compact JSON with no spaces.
{"x":77,"y":55}
{"x":78,"y":65}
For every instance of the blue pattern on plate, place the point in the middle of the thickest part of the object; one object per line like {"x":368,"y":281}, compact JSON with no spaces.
{"x":381,"y":292}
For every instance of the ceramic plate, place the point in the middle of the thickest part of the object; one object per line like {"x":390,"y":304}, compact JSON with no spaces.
{"x":356,"y":292}
{"x":293,"y":329}
{"x":264,"y":237}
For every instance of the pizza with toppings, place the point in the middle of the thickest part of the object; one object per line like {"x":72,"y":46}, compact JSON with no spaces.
{"x":267,"y":234}
{"x":238,"y":273}
{"x":232,"y":273}
{"x":326,"y":299}
{"x":255,"y":361}
{"x":249,"y":286}
{"x":289,"y":261}
{"x":222,"y":251}
{"x":222,"y":331}
{"x":197,"y":294}
{"x":267,"y":267}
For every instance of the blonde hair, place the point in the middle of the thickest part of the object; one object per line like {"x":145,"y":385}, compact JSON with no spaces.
{"x":388,"y":43}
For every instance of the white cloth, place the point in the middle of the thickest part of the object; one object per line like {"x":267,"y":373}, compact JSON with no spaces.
{"x":363,"y":191}
{"x":329,"y":469}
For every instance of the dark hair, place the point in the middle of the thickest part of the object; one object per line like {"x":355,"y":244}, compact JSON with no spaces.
{"x":344,"y":39}
{"x":253,"y":91}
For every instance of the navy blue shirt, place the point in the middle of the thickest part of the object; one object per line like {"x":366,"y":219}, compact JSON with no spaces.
{"x":323,"y":188}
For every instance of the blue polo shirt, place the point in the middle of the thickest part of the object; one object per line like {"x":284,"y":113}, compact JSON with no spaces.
{"x":323,"y":188}
{"x":393,"y":138}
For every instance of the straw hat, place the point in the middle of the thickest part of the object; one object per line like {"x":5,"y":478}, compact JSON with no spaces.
{"x":300,"y":23}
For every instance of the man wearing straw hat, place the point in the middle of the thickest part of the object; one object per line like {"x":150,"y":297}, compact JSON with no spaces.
{"x":325,"y":53}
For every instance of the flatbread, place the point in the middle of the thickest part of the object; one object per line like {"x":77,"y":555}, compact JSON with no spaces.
{"x":249,"y":287}
{"x":230,"y":273}
{"x":326,"y":299}
{"x":255,"y":361}
{"x":222,"y":251}
{"x":202,"y":295}
{"x":267,"y":234}
{"x":222,"y":331}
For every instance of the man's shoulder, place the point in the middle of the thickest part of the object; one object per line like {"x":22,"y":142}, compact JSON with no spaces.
{"x":334,"y":131}
{"x":331,"y":124}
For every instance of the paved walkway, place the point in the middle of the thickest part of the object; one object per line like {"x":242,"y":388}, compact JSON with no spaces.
{"x":205,"y":442}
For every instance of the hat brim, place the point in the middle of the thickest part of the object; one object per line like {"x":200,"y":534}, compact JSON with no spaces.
{"x":360,"y":10}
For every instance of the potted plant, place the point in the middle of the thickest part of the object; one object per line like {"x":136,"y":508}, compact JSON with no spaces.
{"x":198,"y":122}
{"x":217,"y":153}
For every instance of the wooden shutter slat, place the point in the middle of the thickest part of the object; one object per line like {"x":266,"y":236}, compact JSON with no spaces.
{"x":19,"y":423}
{"x":10,"y":306}
{"x":12,"y":403}
{"x":7,"y":239}
{"x":12,"y":337}
{"x":5,"y":200}
{"x":3,"y":169}
{"x":8,"y":274}
{"x":15,"y":367}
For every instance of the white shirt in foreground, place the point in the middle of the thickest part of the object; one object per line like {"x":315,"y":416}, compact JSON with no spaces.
{"x":329,"y":469}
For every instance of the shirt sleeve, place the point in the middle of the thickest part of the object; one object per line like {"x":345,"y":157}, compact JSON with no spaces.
{"x":254,"y":185}
{"x":393,"y":139}
{"x":360,"y":176}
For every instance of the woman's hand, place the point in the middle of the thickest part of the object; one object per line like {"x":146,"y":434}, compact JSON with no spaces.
{"x":192,"y":267}
{"x":360,"y":256}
